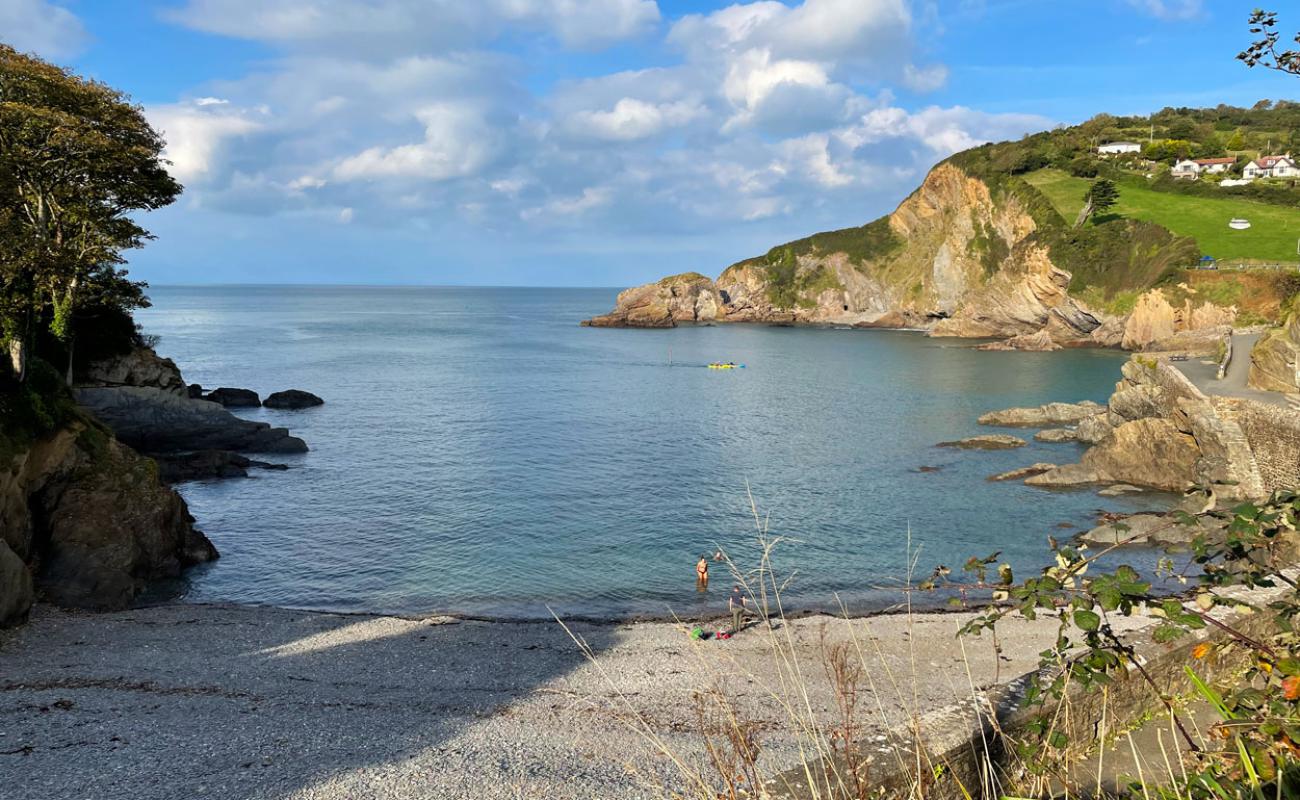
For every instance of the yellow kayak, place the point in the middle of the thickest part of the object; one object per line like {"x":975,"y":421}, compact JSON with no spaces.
{"x":726,"y":366}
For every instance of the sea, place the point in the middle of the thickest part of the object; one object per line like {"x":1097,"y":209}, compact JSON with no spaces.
{"x":480,"y":453}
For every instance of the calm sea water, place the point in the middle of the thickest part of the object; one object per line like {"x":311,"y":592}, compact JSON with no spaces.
{"x":479,"y":452}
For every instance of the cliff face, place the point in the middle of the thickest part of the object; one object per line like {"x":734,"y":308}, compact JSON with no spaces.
{"x":1275,"y":359}
{"x":956,"y":258}
{"x":85,"y":522}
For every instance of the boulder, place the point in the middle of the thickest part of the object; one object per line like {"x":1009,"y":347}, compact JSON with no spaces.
{"x":140,"y":367}
{"x":1056,"y":435}
{"x":1023,"y":472}
{"x":156,"y":422}
{"x":194,"y":391}
{"x":16,"y":591}
{"x":1151,"y":453}
{"x":89,"y":516}
{"x":1051,"y":414}
{"x":1041,"y":341}
{"x":233,"y":398}
{"x":292,"y":399}
{"x":1093,"y":429}
{"x":208,"y":464}
{"x":1149,"y":529}
{"x":1275,"y":359}
{"x":1119,"y":490}
{"x":991,"y":441}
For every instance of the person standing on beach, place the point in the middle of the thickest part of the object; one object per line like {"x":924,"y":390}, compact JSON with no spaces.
{"x":702,"y":573}
{"x":736,"y":603}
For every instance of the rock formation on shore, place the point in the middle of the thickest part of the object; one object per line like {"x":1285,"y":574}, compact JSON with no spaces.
{"x":1275,"y":359}
{"x":957,"y":258}
{"x":1160,"y":432}
{"x":85,"y":521}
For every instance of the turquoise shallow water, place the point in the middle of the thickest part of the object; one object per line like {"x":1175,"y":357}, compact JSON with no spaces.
{"x":480,"y":453}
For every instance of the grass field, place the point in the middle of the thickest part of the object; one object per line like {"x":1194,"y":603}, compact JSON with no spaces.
{"x":1272,"y":236}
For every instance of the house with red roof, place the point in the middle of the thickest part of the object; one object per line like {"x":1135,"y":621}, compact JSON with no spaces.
{"x":1194,"y":168}
{"x":1272,"y":167}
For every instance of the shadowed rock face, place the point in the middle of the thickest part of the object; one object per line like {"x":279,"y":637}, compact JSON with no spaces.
{"x":154,"y":421}
{"x":87,"y":524}
{"x":233,"y":398}
{"x":140,"y":367}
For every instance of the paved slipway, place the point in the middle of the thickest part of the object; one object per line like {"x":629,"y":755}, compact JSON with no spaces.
{"x":239,"y":702}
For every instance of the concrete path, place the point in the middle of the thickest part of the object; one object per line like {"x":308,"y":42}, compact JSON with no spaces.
{"x":1234,"y":383}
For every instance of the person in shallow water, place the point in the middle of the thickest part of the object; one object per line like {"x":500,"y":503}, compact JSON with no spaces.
{"x":736,"y":603}
{"x":702,"y":573}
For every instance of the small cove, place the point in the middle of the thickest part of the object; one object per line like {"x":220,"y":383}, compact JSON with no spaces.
{"x":479,"y":453}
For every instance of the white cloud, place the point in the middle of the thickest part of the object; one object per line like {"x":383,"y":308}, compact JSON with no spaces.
{"x":632,"y":119}
{"x":348,"y":26}
{"x":925,"y":79}
{"x":458,"y":141}
{"x":41,"y":27}
{"x":1170,"y":9}
{"x":373,"y":113}
{"x":196,"y":134}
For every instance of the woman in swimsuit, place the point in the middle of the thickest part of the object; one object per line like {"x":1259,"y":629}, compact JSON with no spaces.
{"x":702,"y":572}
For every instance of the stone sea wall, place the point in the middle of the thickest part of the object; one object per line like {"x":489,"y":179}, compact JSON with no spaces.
{"x":1273,"y":433}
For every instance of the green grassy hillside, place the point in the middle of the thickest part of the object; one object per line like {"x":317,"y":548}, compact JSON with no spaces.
{"x":1272,"y":236}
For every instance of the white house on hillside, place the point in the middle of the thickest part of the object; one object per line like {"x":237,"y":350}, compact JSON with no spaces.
{"x":1189,"y":168}
{"x":1272,"y":167}
{"x":1116,"y":148}
{"x":1186,"y":168}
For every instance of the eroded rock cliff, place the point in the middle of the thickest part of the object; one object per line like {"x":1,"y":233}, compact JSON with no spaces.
{"x":957,"y":258}
{"x":86,"y":523}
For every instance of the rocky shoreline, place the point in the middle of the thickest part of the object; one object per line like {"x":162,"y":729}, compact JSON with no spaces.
{"x":89,"y":516}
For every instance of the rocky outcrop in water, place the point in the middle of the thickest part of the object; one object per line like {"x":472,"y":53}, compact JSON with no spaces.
{"x":689,"y":297}
{"x":1161,"y":432}
{"x":990,"y":441}
{"x":292,"y":399}
{"x":86,"y":523}
{"x":154,"y":421}
{"x":233,"y":398}
{"x":207,"y":465}
{"x":1050,"y":414}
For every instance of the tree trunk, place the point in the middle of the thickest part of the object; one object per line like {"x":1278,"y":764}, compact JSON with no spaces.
{"x":1084,"y":213}
{"x":72,"y":341}
{"x":18,"y":359}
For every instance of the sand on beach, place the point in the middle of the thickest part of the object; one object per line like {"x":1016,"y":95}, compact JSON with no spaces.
{"x":245,"y":702}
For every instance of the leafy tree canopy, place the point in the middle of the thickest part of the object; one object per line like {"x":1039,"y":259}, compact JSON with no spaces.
{"x":77,"y":159}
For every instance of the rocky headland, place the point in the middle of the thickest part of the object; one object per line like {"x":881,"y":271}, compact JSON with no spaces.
{"x":961,"y":257}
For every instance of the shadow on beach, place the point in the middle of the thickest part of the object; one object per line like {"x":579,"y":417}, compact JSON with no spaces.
{"x":184,"y":701}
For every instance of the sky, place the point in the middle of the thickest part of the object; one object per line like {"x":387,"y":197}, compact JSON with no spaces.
{"x":594,"y":142}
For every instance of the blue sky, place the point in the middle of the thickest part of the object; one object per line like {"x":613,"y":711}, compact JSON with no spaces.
{"x":594,"y":142}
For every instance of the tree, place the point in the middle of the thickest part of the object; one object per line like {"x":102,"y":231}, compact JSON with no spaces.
{"x":1101,"y":197}
{"x":1236,"y":141}
{"x":77,"y":158}
{"x":1263,"y":51}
